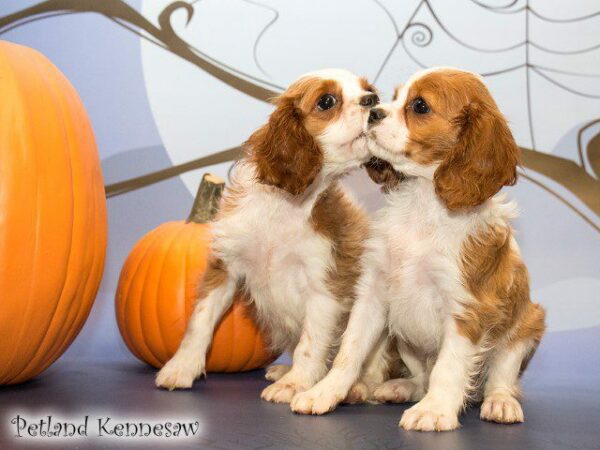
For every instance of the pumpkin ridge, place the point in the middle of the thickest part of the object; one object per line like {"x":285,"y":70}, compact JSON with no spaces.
{"x":165,"y":256}
{"x":36,"y":261}
{"x":187,"y":310}
{"x":83,"y":308}
{"x":243,"y":367}
{"x":81,"y":289}
{"x":141,"y":350}
{"x":123,"y":290}
{"x":132,"y":264}
{"x":194,"y":238}
{"x":39,"y":357}
{"x":182,"y":274}
{"x":5,"y":50}
{"x":156,"y":248}
{"x":232,"y":329}
{"x":251,"y":360}
{"x":165,"y":307}
{"x":97,"y":214}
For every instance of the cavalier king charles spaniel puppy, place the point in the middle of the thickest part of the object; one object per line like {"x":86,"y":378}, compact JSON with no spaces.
{"x":288,"y":233}
{"x":441,"y":269}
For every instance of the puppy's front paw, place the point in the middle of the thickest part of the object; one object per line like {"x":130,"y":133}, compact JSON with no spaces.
{"x":399,"y":390}
{"x":501,"y":408}
{"x":178,"y":373}
{"x":276,"y":371}
{"x":359,"y":393}
{"x":281,"y":391}
{"x":424,"y":417}
{"x":316,"y":401}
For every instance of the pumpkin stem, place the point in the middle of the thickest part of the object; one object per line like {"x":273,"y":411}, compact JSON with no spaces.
{"x":206,"y":203}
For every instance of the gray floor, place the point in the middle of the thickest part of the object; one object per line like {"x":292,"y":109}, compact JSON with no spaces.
{"x":562,"y":408}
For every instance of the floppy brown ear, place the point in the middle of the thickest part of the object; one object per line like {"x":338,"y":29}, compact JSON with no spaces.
{"x":484,"y":159}
{"x":285,"y":153}
{"x":383,"y":173}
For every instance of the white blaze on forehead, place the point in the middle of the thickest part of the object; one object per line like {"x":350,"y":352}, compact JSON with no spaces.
{"x":422,"y":73}
{"x":412,"y":79}
{"x":349,"y":82}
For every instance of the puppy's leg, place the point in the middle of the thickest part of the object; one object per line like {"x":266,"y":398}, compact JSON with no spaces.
{"x":276,"y":371}
{"x":400,"y":390}
{"x":309,"y":365}
{"x":448,"y":384}
{"x":365,"y":326}
{"x":375,"y":371}
{"x":501,"y":390}
{"x":188,"y":363}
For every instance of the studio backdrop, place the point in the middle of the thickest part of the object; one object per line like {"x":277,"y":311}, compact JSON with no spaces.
{"x":173,"y":88}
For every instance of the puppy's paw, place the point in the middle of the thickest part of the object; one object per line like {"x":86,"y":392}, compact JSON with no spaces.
{"x":178,"y":373}
{"x":501,"y":408}
{"x":359,"y":393}
{"x":281,"y":391}
{"x":276,"y":371}
{"x":317,"y":400}
{"x":426,"y":417}
{"x":399,"y":390}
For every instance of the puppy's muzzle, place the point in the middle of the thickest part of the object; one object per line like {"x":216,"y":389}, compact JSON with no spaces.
{"x":369,"y":100}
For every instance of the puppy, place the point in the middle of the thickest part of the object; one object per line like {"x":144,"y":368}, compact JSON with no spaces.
{"x":289,"y":234}
{"x":442,"y":267}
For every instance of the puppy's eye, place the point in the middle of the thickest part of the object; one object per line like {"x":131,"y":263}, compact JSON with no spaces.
{"x":419,"y":106}
{"x":326,"y":102}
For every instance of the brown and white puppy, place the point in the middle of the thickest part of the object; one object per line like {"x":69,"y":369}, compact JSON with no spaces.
{"x":442,"y":269}
{"x":289,"y":234}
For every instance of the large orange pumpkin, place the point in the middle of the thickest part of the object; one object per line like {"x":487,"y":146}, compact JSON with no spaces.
{"x":158,"y":287}
{"x":52,"y":214}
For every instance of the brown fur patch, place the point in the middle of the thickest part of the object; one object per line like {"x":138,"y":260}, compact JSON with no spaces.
{"x":484,"y":159}
{"x":364,"y":83}
{"x":346,"y":226}
{"x":284,"y":150}
{"x":382,"y":172}
{"x":532,"y":325}
{"x":285,"y":153}
{"x":215,"y":276}
{"x":232,"y":195}
{"x":498,"y":280}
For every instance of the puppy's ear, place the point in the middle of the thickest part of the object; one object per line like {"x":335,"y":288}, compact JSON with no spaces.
{"x":285,"y":154}
{"x":383,"y":173}
{"x":484,"y":159}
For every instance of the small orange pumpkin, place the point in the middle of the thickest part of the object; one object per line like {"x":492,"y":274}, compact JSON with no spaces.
{"x":158,"y":287}
{"x":52,"y":214}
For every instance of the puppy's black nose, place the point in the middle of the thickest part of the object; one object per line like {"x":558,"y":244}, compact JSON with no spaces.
{"x":376,"y":115}
{"x":369,"y":100}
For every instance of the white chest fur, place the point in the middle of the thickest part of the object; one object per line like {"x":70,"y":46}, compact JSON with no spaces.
{"x":270,"y":245}
{"x":421,"y":248}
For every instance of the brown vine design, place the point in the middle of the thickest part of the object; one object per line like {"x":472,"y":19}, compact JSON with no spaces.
{"x":565,"y":172}
{"x":164,"y":36}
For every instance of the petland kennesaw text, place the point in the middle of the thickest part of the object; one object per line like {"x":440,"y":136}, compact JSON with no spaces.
{"x":49,"y":427}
